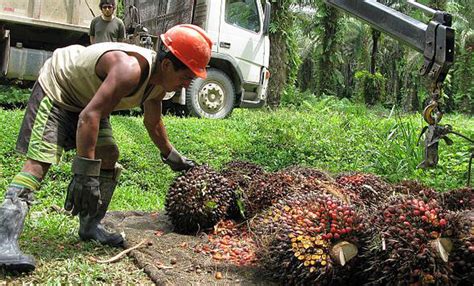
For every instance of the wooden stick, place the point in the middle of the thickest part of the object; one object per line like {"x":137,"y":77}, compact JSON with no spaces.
{"x":118,"y":256}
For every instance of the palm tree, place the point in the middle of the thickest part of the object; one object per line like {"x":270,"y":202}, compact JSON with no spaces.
{"x":283,"y":56}
{"x":463,"y":71}
{"x":354,"y":35}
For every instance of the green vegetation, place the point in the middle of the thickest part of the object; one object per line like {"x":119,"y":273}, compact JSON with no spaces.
{"x":327,"y":47}
{"x":13,"y":97}
{"x":370,"y":87}
{"x":327,"y":133}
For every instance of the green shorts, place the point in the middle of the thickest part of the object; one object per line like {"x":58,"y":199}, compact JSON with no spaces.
{"x":48,"y":129}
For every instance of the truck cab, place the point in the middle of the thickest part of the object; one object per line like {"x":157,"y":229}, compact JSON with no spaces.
{"x":238,"y":70}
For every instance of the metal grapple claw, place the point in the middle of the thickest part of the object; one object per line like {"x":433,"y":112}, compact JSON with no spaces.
{"x":432,"y":114}
{"x":434,"y":133}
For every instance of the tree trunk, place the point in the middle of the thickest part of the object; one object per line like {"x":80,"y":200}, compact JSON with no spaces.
{"x":397,"y":75}
{"x":349,"y":79}
{"x":326,"y":83}
{"x":280,"y":51}
{"x":278,"y":69}
{"x":373,"y":54}
{"x":305,"y":74}
{"x":413,"y":103}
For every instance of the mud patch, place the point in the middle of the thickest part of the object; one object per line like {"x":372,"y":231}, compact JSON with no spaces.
{"x":171,"y":259}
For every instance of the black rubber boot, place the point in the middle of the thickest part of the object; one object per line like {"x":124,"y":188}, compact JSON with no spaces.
{"x":90,"y":228}
{"x":12,"y":217}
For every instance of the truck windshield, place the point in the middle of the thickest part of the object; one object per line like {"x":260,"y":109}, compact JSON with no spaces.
{"x":242,"y":13}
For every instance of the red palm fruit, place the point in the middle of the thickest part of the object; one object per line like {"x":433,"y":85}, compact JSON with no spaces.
{"x":462,"y":225}
{"x":365,"y":190}
{"x":295,"y":254}
{"x":459,"y":199}
{"x":401,"y":249}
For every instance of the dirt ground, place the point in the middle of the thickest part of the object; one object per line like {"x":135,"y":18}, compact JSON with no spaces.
{"x":170,"y":258}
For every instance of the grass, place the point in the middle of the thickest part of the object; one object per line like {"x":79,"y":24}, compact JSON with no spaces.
{"x":332,"y":135}
{"x":13,"y":96}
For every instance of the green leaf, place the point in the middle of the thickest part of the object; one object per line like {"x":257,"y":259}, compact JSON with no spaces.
{"x":241,"y":206}
{"x":211,"y":205}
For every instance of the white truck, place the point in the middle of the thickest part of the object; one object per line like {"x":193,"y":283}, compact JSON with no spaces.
{"x":238,"y":71}
{"x":31,"y":29}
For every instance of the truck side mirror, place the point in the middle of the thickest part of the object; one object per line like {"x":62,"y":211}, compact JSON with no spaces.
{"x":266,"y":18}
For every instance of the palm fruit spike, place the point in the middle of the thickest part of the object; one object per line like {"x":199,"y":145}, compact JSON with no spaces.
{"x":459,"y":199}
{"x":462,"y":256}
{"x":312,"y":179}
{"x":240,"y":174}
{"x":267,"y":190}
{"x":405,"y":243}
{"x":365,"y":189}
{"x":198,"y":199}
{"x":310,"y":173}
{"x":415,"y":188}
{"x":298,"y":234}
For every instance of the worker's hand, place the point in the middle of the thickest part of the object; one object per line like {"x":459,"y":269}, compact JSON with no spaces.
{"x":177,"y":162}
{"x":83,"y":193}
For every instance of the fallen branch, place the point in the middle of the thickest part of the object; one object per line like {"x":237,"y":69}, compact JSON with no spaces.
{"x":118,"y":256}
{"x":161,"y":266}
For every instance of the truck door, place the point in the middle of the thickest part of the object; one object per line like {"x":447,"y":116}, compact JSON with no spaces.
{"x":241,"y":36}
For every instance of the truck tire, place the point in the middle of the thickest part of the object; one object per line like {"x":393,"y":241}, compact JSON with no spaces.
{"x":213,"y":97}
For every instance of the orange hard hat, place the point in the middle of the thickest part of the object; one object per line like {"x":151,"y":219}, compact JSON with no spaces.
{"x":191,"y":45}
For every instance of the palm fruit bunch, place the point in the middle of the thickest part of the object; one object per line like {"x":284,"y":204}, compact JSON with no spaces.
{"x":409,"y":243}
{"x":240,"y":174}
{"x":198,"y":199}
{"x":459,"y":199}
{"x":267,"y":190}
{"x":365,"y":190}
{"x":307,"y":238}
{"x":462,"y":255}
{"x":309,"y":173}
{"x":415,"y":188}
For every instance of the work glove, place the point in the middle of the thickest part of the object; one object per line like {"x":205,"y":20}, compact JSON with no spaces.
{"x":177,"y":162}
{"x":83,"y":193}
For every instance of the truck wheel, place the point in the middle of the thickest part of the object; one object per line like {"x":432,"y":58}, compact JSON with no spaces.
{"x":213,"y":97}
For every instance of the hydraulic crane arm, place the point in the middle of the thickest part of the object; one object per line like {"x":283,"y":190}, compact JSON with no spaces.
{"x":434,"y":40}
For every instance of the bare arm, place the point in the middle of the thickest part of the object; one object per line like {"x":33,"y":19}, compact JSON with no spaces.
{"x":155,"y":126}
{"x":122,"y":74}
{"x":121,"y":33}
{"x":92,"y":31}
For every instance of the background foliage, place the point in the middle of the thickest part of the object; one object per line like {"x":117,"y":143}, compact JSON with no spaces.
{"x":334,"y":46}
{"x":13,"y":97}
{"x":370,"y":88}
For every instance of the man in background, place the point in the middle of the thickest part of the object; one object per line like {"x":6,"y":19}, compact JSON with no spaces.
{"x":106,"y":27}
